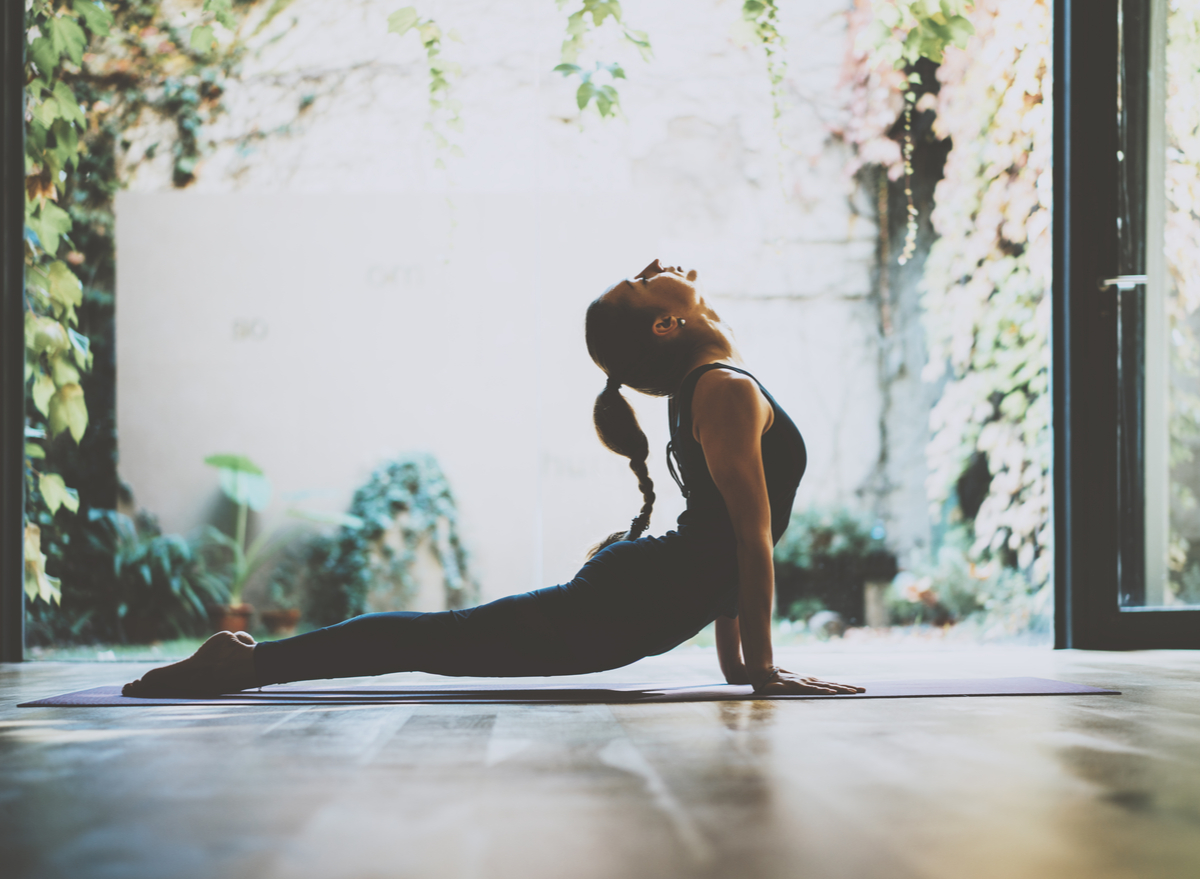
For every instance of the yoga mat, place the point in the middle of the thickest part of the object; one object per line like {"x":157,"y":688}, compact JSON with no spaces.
{"x":524,"y":693}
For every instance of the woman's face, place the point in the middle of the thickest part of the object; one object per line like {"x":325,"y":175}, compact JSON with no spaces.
{"x":667,"y":289}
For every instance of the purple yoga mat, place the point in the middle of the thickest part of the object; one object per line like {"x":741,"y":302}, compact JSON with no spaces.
{"x":426,"y":694}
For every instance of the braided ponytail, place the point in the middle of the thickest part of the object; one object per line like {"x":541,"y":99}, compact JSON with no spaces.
{"x":618,"y":428}
{"x":621,"y":342}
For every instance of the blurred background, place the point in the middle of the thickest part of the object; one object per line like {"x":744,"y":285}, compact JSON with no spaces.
{"x":333,"y":260}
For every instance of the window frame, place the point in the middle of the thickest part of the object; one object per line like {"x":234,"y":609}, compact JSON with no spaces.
{"x":1093,"y":532}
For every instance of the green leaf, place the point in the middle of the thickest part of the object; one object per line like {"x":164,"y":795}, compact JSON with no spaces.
{"x":402,"y":20}
{"x":45,"y":335}
{"x":607,"y":101}
{"x":66,"y":151}
{"x":202,"y":39}
{"x":68,"y":105}
{"x":567,"y":69}
{"x":56,"y":494}
{"x":67,"y":37}
{"x":46,"y":111}
{"x":641,"y":40}
{"x":63,"y":372}
{"x":251,"y":489}
{"x":586,"y":92}
{"x":50,"y":223}
{"x":960,"y":30}
{"x":97,"y":19}
{"x":38,"y":584}
{"x":42,"y":52}
{"x":82,"y":348}
{"x":43,"y":390}
{"x":222,"y":11}
{"x":68,"y":412}
{"x":66,"y":293}
{"x":239,"y":463}
{"x":33,"y":450}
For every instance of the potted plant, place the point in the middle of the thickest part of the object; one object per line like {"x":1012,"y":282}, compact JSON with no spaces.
{"x":247,"y":487}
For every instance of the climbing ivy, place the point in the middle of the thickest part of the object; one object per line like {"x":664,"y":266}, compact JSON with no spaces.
{"x":93,"y":70}
{"x":987,"y":277}
{"x":56,"y":353}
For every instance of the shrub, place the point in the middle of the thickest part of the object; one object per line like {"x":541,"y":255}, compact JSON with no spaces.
{"x":824,"y":558}
{"x":125,"y":581}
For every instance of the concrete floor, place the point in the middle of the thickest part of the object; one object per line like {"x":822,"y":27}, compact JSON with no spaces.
{"x":966,"y":788}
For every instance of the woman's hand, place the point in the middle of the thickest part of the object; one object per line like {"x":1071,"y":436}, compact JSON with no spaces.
{"x":737,"y":676}
{"x":780,"y":682}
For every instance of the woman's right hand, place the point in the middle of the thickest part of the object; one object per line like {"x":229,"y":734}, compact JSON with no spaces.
{"x":780,"y":682}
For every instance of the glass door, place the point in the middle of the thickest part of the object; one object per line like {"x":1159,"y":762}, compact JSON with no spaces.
{"x":1158,"y":304}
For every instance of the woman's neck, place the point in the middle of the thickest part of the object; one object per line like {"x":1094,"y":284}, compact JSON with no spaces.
{"x":717,"y":349}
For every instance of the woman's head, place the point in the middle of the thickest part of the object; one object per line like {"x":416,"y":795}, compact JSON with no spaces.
{"x":647,"y":332}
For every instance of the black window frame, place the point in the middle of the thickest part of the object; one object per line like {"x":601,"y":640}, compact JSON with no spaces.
{"x":1099,"y":537}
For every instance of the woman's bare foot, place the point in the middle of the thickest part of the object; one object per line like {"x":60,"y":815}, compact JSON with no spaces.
{"x":223,"y":664}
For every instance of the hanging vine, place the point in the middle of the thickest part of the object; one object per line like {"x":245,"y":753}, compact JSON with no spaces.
{"x":761,"y":20}
{"x":445,"y":111}
{"x":901,"y":32}
{"x":592,"y":90}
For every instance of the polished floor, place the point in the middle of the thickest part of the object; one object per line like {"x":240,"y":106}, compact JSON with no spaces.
{"x":956,"y":788}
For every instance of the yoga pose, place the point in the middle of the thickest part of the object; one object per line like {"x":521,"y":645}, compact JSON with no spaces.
{"x":738,"y":459}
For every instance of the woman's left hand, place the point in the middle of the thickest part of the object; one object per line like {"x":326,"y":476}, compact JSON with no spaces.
{"x":781,"y":682}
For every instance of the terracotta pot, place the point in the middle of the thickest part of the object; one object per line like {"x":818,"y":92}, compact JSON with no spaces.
{"x":280,"y":622}
{"x":234,"y":617}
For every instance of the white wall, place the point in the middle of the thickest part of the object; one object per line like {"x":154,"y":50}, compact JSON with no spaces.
{"x":375,"y":318}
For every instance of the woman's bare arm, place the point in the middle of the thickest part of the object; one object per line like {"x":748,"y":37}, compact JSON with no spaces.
{"x":729,"y":416}
{"x":729,"y":651}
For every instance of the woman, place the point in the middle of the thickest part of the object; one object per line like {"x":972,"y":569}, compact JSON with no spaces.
{"x":739,"y":458}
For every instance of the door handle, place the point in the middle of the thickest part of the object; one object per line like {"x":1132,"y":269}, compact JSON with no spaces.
{"x":1123,"y":282}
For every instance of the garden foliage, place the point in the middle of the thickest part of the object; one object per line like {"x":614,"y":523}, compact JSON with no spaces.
{"x":93,"y":71}
{"x":410,"y":494}
{"x":987,"y":277}
{"x":823,"y":560}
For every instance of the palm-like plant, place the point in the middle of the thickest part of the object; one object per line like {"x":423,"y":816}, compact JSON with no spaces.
{"x":248,"y":488}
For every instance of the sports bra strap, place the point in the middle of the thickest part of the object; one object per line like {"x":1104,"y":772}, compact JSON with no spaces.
{"x":677,"y":407}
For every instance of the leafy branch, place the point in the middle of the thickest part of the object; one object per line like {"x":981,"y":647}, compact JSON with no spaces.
{"x":605,"y":96}
{"x":608,"y":102}
{"x":761,"y":19}
{"x":444,"y":110}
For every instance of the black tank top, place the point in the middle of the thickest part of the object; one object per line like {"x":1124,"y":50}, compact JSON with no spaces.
{"x":783,"y":453}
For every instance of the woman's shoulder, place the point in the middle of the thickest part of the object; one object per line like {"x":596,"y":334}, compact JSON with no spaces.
{"x":728,"y":394}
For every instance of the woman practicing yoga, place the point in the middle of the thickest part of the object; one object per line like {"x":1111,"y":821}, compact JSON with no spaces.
{"x":739,"y":460}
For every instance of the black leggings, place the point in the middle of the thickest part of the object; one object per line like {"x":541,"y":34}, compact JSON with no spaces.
{"x":631,"y":600}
